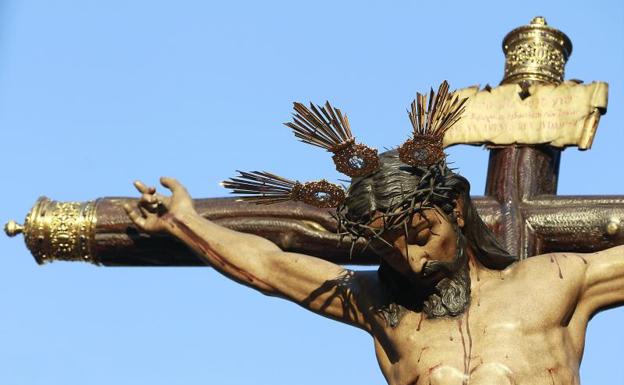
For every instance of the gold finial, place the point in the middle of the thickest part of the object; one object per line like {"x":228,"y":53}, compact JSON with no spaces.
{"x":536,"y":53}
{"x":12,"y":228}
{"x":58,"y":230}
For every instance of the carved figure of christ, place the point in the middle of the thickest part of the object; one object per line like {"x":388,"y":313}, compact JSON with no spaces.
{"x":443,"y":309}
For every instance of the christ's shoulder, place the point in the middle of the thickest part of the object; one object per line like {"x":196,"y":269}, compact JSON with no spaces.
{"x":561,"y":267}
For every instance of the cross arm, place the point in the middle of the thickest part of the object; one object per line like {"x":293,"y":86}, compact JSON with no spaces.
{"x":101,"y":232}
{"x":553,"y":223}
{"x":293,"y":226}
{"x":573,"y":223}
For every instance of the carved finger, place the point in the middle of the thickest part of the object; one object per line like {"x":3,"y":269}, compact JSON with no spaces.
{"x":145,"y":206}
{"x":143,"y":188}
{"x":134,"y":215}
{"x":145,"y":211}
{"x":154,"y":203}
{"x":162,"y":203}
{"x":149,"y":198}
{"x":173,"y":185}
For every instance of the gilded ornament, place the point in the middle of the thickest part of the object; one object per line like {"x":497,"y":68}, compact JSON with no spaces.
{"x":536,"y":52}
{"x":58,"y":230}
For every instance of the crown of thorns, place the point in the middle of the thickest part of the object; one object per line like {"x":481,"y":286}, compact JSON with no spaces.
{"x":327,"y":127}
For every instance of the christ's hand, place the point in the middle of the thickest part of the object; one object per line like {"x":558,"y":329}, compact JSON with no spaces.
{"x":154,"y":211}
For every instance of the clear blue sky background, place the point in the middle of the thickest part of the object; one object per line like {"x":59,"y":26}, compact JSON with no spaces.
{"x":94,"y":94}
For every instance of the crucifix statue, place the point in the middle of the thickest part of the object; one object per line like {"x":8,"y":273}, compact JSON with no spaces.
{"x":443,"y":307}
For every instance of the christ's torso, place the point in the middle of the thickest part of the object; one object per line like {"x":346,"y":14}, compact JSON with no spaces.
{"x":520,"y":328}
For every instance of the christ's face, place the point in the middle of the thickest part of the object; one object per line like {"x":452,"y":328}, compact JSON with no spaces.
{"x":426,"y":251}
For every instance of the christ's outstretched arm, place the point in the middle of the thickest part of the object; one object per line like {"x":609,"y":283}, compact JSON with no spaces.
{"x":603,"y":285}
{"x":320,"y":286}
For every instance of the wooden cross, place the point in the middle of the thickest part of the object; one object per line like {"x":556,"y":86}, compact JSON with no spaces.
{"x":520,"y":203}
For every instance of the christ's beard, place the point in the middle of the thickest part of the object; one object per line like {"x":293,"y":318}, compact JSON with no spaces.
{"x":451,"y":295}
{"x":447,"y":297}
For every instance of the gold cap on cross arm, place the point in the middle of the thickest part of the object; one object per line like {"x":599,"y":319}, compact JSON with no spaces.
{"x":58,"y":230}
{"x":536,"y":52}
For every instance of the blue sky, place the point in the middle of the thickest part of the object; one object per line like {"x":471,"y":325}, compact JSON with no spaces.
{"x":95,"y":94}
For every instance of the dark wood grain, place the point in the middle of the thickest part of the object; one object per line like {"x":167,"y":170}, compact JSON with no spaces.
{"x":554,"y":223}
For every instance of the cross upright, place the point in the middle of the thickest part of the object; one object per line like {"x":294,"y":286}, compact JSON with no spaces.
{"x":517,"y":174}
{"x":523,"y":178}
{"x":520,"y":203}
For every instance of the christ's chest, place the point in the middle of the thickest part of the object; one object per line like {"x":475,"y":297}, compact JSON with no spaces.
{"x":488,"y":344}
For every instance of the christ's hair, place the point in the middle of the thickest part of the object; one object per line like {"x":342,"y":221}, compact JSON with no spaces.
{"x":392,"y":182}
